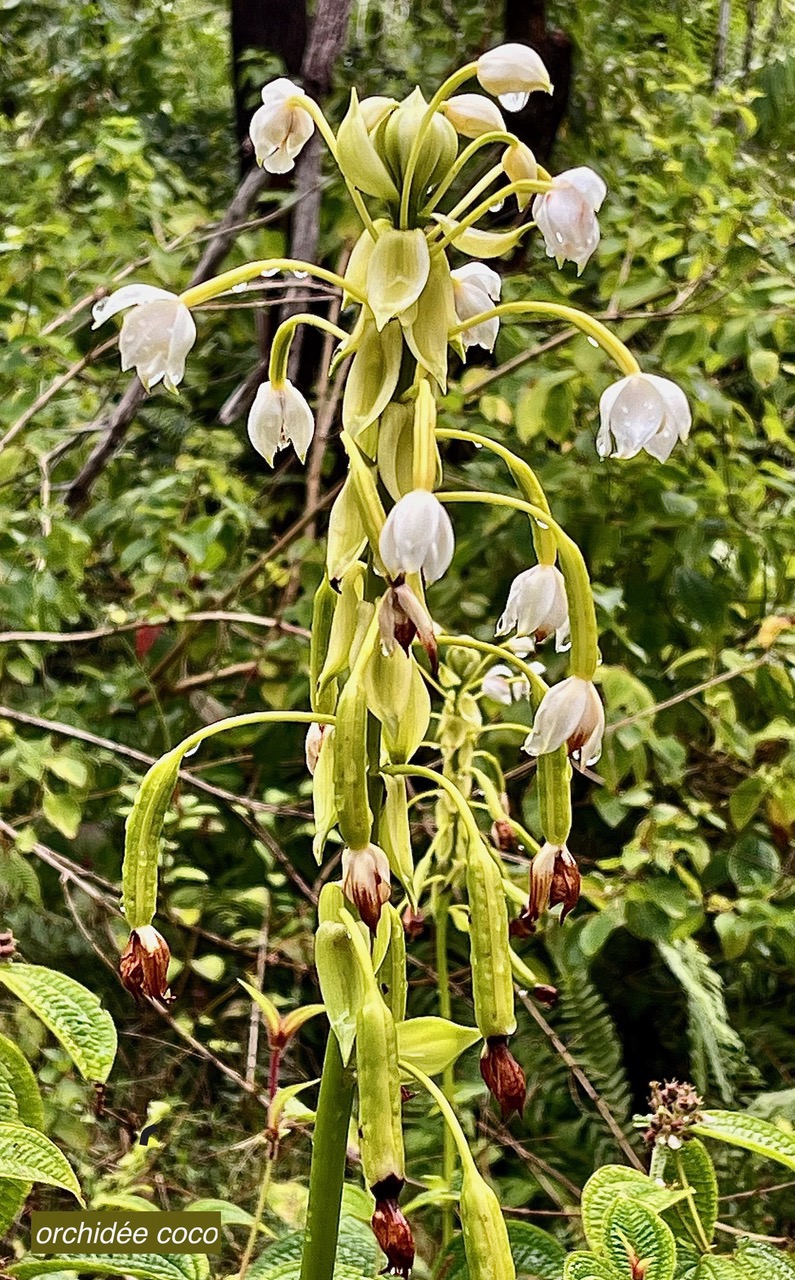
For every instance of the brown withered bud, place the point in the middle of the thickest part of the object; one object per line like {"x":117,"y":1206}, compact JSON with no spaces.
{"x":674,"y":1109}
{"x":8,"y":945}
{"x":546,"y":995}
{"x":143,"y":966}
{"x":401,"y":617}
{"x":503,"y":836}
{"x":554,"y":879}
{"x":391,"y":1228}
{"x":503,"y":1077}
{"x":366,"y":881}
{"x":413,"y":924}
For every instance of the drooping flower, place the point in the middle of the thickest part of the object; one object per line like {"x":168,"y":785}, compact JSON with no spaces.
{"x":511,"y":72}
{"x":537,"y":606}
{"x":156,"y":334}
{"x":278,"y":417}
{"x":519,"y":165}
{"x":476,"y":288}
{"x":554,"y":879}
{"x":313,"y":744}
{"x":642,"y":411}
{"x":366,"y":881}
{"x":504,"y":685}
{"x":391,"y":1228}
{"x":417,"y":537}
{"x":143,"y":966}
{"x":472,"y":115}
{"x":401,"y":617}
{"x":566,"y":215}
{"x":570,"y":712}
{"x":281,"y":127}
{"x":503,"y":1077}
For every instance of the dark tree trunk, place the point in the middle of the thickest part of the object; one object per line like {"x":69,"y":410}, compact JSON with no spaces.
{"x":277,"y":26}
{"x":537,"y":125}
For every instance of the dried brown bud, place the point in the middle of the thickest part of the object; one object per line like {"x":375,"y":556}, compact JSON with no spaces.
{"x":545,"y":995}
{"x":554,"y":879}
{"x":503,"y":836}
{"x":401,"y":617}
{"x":391,"y":1228}
{"x":413,"y":924}
{"x":674,"y":1109}
{"x":8,"y":945}
{"x":503,"y":1076}
{"x":143,"y":966}
{"x":366,"y":881}
{"x":565,"y":883}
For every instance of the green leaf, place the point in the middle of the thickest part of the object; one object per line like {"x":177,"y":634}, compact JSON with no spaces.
{"x":741,"y":1130}
{"x":433,"y":1044}
{"x":694,"y":1168}
{"x":63,"y":812}
{"x":143,"y":1266}
{"x":635,"y":1233}
{"x":72,"y":1013}
{"x":718,"y":1269}
{"x":357,"y":1255}
{"x":612,"y":1181}
{"x":536,"y":1254}
{"x":28,"y":1156}
{"x":13,"y":1195}
{"x":586,"y":1266}
{"x":15,"y":1069}
{"x":231,"y":1214}
{"x":759,"y":1261}
{"x":745,"y":800}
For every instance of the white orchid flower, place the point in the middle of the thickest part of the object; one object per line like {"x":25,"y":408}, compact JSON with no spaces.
{"x":566,"y":215}
{"x":156,"y":334}
{"x":537,"y":606}
{"x":281,"y":127}
{"x":503,"y":685}
{"x":417,"y":537}
{"x":570,"y":712}
{"x":471,"y":115}
{"x":476,"y":288}
{"x":280,"y":416}
{"x":642,"y":411}
{"x":511,"y":72}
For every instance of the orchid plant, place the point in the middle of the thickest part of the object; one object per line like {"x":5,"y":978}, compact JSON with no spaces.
{"x":377,"y":653}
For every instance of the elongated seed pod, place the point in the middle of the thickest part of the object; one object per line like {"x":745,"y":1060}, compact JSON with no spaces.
{"x":488,"y":1250}
{"x":554,"y":795}
{"x":322,"y":617}
{"x":492,"y":981}
{"x":380,"y":1118}
{"x":355,"y":817}
{"x":391,"y":973}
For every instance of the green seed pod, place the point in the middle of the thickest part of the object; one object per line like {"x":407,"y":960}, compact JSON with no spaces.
{"x":389,"y":962}
{"x":340,"y":981}
{"x":492,"y":980}
{"x":394,"y":833}
{"x":323,"y":608}
{"x":437,"y":153}
{"x":554,"y":795}
{"x":486,"y":1243}
{"x":355,"y":817}
{"x":380,"y":1118}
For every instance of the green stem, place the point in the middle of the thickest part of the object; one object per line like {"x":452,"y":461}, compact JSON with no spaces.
{"x":250,"y":270}
{"x":327,"y":1173}
{"x":450,"y":85}
{"x":448,"y":1077}
{"x":258,"y":1214}
{"x":327,"y":133}
{"x":448,"y":1114}
{"x":280,"y":351}
{"x":659,"y":1159}
{"x":536,"y":186}
{"x":478,"y":189}
{"x":538,"y":687}
{"x":584,"y":636}
{"x":485,"y":139}
{"x":608,"y":341}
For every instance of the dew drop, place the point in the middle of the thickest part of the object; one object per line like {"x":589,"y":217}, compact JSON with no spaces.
{"x":301,"y":275}
{"x":593,"y":342}
{"x":495,"y":208}
{"x":240,"y":288}
{"x":272,"y":271}
{"x":513,"y":101}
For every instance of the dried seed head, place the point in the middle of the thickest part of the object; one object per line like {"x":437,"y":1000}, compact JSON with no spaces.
{"x":503,"y":836}
{"x":674,"y":1109}
{"x":391,"y":1228}
{"x":554,"y":879}
{"x":413,"y":924}
{"x":143,"y":966}
{"x":545,"y":994}
{"x":503,"y":1076}
{"x":8,"y":945}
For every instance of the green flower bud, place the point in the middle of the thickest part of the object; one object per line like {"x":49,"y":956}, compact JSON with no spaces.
{"x":389,"y":962}
{"x":396,"y":273}
{"x":398,"y":696}
{"x":433,"y":1044}
{"x":396,"y":448}
{"x":346,"y":533}
{"x":492,"y":979}
{"x":439,"y":146}
{"x":324,"y":804}
{"x":486,"y":1243}
{"x":343,"y":628}
{"x":394,"y":832}
{"x":372,"y":377}
{"x":323,"y":608}
{"x":427,"y":324}
{"x":480,"y":244}
{"x":355,"y":819}
{"x":340,"y":981}
{"x":380,"y":1118}
{"x":358,"y":159}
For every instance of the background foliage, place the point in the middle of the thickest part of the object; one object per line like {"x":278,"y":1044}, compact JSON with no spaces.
{"x":117,"y":157}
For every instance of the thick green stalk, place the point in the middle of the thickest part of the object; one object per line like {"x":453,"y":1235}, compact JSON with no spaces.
{"x":448,"y":1078}
{"x":328,"y":1166}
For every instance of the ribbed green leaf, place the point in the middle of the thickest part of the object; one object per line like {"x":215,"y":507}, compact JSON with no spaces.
{"x":13,"y":1195}
{"x":28,"y":1156}
{"x":741,"y":1130}
{"x":719,"y":1269}
{"x":759,"y":1261}
{"x":144,"y":1266}
{"x":612,"y":1181}
{"x":693,"y":1168}
{"x":634,"y":1233}
{"x":536,"y":1254}
{"x":8,"y":1099}
{"x":586,"y":1266}
{"x":357,"y":1255}
{"x":15,"y":1070}
{"x":72,"y":1013}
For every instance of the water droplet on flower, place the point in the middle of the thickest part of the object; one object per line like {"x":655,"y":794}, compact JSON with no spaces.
{"x":513,"y":101}
{"x":477,"y":445}
{"x":593,"y":342}
{"x":240,"y":288}
{"x":559,"y":237}
{"x":495,"y":208}
{"x":541,"y":524}
{"x":191,"y":751}
{"x":272,"y":271}
{"x":300,"y":275}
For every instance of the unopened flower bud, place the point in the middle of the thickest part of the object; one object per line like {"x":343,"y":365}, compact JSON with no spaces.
{"x":413,"y":924}
{"x":281,"y":127}
{"x":546,"y":994}
{"x":503,"y":1077}
{"x":554,"y":879}
{"x":503,"y":836}
{"x":472,"y":115}
{"x":391,"y":1228}
{"x":312,"y":745}
{"x":366,"y":881}
{"x":503,"y":685}
{"x":674,"y":1109}
{"x":280,"y":416}
{"x":417,"y":537}
{"x":476,"y":288}
{"x":376,"y":109}
{"x":511,"y":72}
{"x":538,"y":606}
{"x":642,"y":411}
{"x":570,"y":712}
{"x":143,"y":966}
{"x":519,"y":165}
{"x":156,"y":334}
{"x":566,"y":215}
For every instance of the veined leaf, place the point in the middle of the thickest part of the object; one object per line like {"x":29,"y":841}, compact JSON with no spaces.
{"x":586,"y":1266}
{"x":144,"y":1266}
{"x":357,"y":1255}
{"x":694,"y":1168}
{"x":759,"y":1261}
{"x":28,"y":1156}
{"x":72,"y":1013}
{"x":13,"y":1195}
{"x":719,"y":1269}
{"x":634,"y":1233}
{"x":612,"y":1181}
{"x":741,"y":1130}
{"x":536,"y":1254}
{"x":15,"y":1069}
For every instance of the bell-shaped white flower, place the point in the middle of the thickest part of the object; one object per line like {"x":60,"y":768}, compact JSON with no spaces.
{"x":417,"y":537}
{"x":471,"y":115}
{"x":511,"y":72}
{"x":281,"y":127}
{"x":642,"y":411}
{"x":476,"y":288}
{"x":156,"y":334}
{"x":537,"y":606}
{"x":366,"y":881}
{"x":280,"y":416}
{"x":504,"y":685}
{"x":566,"y":215}
{"x":519,"y":165}
{"x":569,"y":712}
